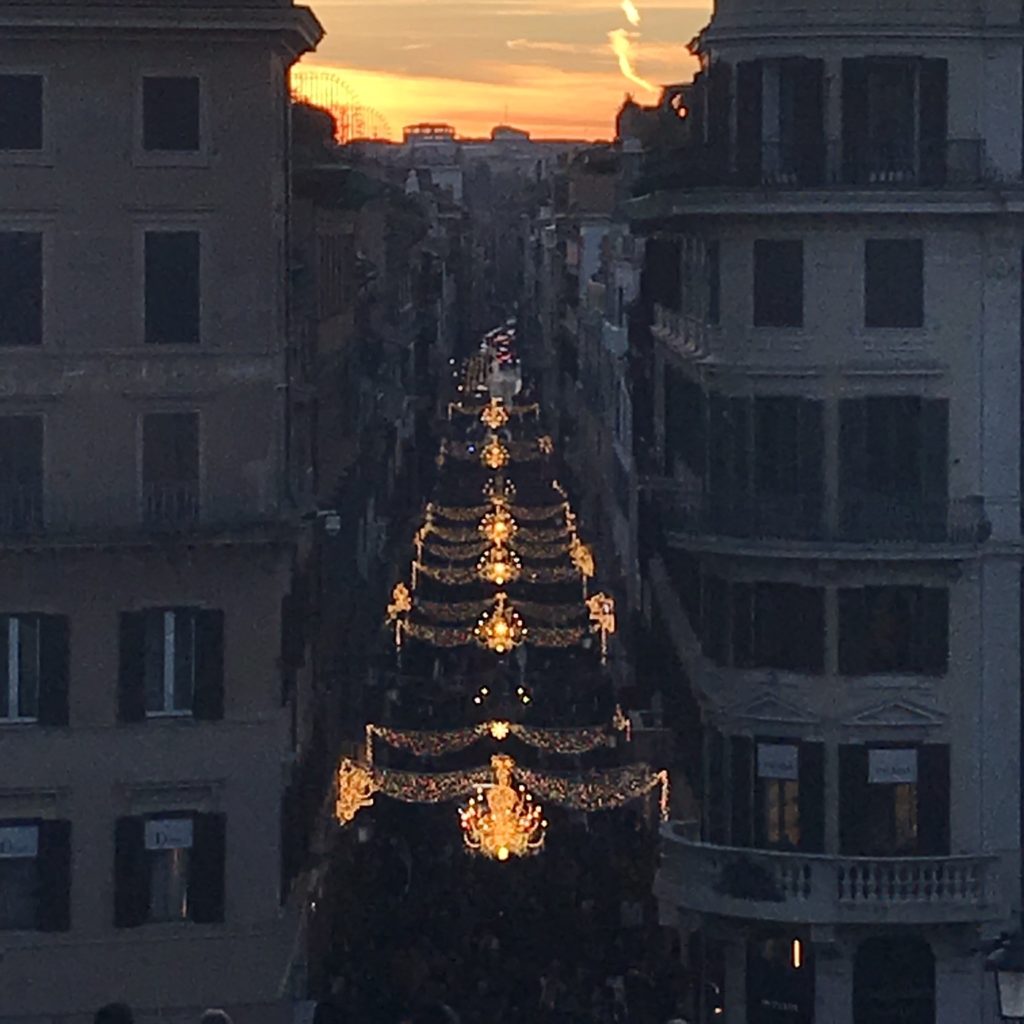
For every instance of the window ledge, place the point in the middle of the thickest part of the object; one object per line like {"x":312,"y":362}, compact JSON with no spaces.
{"x":26,"y":158}
{"x":172,"y":158}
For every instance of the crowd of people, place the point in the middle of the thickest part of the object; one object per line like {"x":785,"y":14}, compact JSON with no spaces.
{"x":565,"y":937}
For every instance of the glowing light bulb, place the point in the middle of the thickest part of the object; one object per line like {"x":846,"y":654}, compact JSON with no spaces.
{"x":502,"y":853}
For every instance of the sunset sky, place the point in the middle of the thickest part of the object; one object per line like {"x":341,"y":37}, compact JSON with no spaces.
{"x":544,"y":65}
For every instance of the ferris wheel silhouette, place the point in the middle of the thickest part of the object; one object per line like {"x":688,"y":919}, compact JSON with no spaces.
{"x":327,"y":89}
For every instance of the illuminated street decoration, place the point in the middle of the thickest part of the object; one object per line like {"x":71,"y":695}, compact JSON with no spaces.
{"x":499,"y":566}
{"x":401,"y":605}
{"x":602,"y":619}
{"x":583,"y":559}
{"x":494,"y":455}
{"x":494,"y":414}
{"x":355,"y":790}
{"x":499,"y":526}
{"x":501,"y":629}
{"x":502,"y":820}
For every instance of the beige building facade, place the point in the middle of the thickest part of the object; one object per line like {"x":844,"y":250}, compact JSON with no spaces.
{"x":148,"y":538}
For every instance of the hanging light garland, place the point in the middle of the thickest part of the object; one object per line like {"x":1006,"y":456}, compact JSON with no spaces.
{"x":502,"y":820}
{"x":602,"y":619}
{"x":400,"y":606}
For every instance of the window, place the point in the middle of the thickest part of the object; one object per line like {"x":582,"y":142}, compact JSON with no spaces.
{"x":778,"y":283}
{"x":894,"y":282}
{"x":714,"y":281}
{"x":34,"y":669}
{"x":21,"y":474}
{"x":895,"y":120}
{"x":778,"y":795}
{"x":170,"y":468}
{"x":170,"y":114}
{"x":893,"y":466}
{"x":172,"y":663}
{"x":21,"y":288}
{"x":21,"y":112}
{"x":169,"y":867}
{"x":893,"y":629}
{"x":35,"y":875}
{"x":894,"y":801}
{"x":779,"y":626}
{"x":172,"y":287}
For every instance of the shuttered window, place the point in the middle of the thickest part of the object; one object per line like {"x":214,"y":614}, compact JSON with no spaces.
{"x":894,"y":282}
{"x":35,"y":875}
{"x":21,"y":288}
{"x":171,"y":662}
{"x":169,"y":866}
{"x":21,"y":112}
{"x":778,"y":283}
{"x":34,"y":668}
{"x":172,"y":287}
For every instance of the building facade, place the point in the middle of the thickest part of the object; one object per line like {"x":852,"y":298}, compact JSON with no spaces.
{"x":832,"y":537}
{"x":149,"y":540}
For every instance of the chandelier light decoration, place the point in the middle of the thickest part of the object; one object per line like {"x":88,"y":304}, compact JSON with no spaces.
{"x":494,"y":455}
{"x":499,"y":525}
{"x":499,"y":491}
{"x":494,"y":414}
{"x":400,"y":606}
{"x":499,"y":565}
{"x":502,"y":820}
{"x":500,"y":629}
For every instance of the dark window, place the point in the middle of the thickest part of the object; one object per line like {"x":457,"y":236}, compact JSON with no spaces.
{"x":170,"y":468}
{"x":21,"y":473}
{"x":893,"y":456}
{"x":715,"y":613}
{"x":894,"y":282}
{"x":778,"y":283}
{"x":172,"y":287}
{"x":169,"y":867}
{"x":21,"y":288}
{"x":893,"y":629}
{"x":35,"y":875}
{"x":170,"y":114}
{"x":894,"y":981}
{"x":34,"y":668}
{"x":894,"y":801}
{"x":788,"y":627}
{"x":172,"y":662}
{"x":21,"y":112}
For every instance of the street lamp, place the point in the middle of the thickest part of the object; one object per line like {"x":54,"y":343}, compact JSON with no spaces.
{"x":1007,"y":962}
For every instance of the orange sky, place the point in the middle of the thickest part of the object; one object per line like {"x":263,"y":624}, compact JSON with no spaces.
{"x":544,"y":65}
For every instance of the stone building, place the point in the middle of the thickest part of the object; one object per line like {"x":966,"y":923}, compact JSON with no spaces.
{"x":832,"y":547}
{"x":149,"y":539}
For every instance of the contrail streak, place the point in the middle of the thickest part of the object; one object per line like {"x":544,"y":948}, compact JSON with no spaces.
{"x":622,"y":47}
{"x":632,"y":14}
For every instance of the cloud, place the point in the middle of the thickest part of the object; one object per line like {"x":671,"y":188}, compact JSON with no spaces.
{"x":416,"y":46}
{"x":550,"y":46}
{"x":631,"y":13}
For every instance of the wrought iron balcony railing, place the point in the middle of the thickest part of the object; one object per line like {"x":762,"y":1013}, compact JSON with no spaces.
{"x":170,"y":504}
{"x":21,"y":510}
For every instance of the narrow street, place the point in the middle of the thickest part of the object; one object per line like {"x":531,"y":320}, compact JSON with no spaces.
{"x":495,"y":652}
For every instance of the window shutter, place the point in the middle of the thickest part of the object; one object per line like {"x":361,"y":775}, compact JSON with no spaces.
{"x":53,"y":669}
{"x":812,"y":797}
{"x":293,"y":642}
{"x":714,"y":789}
{"x":852,"y":458}
{"x":933,"y":800}
{"x":855,"y":119}
{"x":131,"y":873}
{"x":811,"y":465}
{"x":933,"y":116}
{"x":935,"y":451}
{"x":131,"y":696}
{"x":741,"y":749}
{"x":742,"y":625}
{"x":853,"y":803}
{"x":206,"y":875}
{"x":719,"y":130}
{"x":852,"y":628}
{"x":749,"y":92}
{"x":54,"y":864}
{"x":209,"y":695}
{"x":935,"y":630}
{"x":810,"y":120}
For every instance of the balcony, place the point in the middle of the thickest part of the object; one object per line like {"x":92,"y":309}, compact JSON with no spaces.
{"x":21,"y":511}
{"x":819,"y":889}
{"x":864,"y":518}
{"x":170,"y":505}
